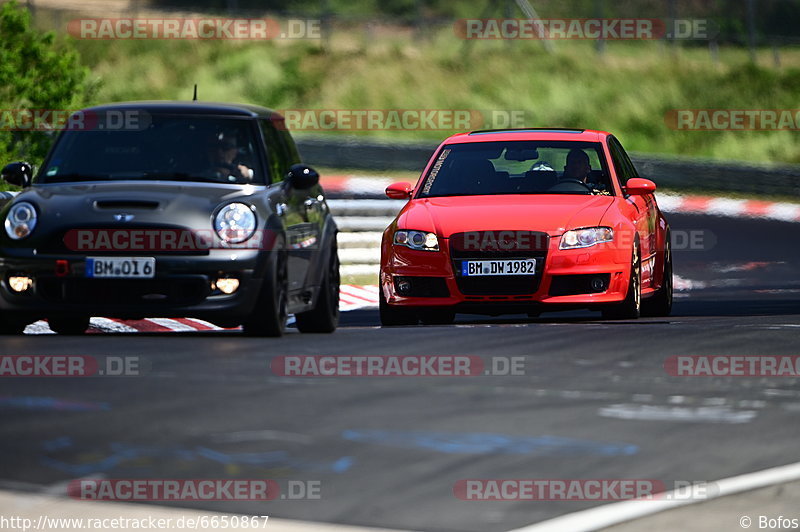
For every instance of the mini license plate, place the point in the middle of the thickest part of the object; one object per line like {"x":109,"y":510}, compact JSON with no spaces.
{"x":470,"y":268}
{"x":121,"y":267}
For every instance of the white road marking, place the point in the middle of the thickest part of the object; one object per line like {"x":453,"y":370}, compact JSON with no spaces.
{"x":702,"y":414}
{"x":619,"y":512}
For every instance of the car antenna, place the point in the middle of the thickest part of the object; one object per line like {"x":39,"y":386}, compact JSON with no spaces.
{"x":194,"y":99}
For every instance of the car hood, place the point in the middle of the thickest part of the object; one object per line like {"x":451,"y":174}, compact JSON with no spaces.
{"x":550,"y":213}
{"x":63,"y":207}
{"x":159,"y":201}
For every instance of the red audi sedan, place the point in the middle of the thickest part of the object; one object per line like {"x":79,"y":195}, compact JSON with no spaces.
{"x":526,"y":221}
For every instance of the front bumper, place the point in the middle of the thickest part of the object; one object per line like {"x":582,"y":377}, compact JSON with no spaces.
{"x":558,"y":283}
{"x":182,"y":287}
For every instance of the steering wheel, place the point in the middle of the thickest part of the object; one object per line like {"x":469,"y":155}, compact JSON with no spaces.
{"x":572,"y":182}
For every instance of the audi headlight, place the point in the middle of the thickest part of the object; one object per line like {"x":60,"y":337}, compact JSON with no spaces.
{"x":586,"y":237}
{"x":417,"y":240}
{"x":235,"y":223}
{"x":21,"y":220}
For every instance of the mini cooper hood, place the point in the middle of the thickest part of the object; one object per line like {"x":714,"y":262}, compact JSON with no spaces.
{"x":148,"y":202}
{"x":553,"y":214}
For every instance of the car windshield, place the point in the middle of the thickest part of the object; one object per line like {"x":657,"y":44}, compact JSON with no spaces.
{"x":518,"y":167}
{"x":168,"y":147}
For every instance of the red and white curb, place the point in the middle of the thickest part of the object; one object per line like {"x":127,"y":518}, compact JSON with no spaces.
{"x":728,"y":207}
{"x":351,"y":297}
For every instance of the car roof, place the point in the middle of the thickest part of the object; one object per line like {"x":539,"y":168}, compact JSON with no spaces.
{"x":556,"y":134}
{"x":189,"y":108}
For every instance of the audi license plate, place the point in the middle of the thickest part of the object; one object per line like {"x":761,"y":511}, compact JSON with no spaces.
{"x":498,"y":267}
{"x":121,"y":267}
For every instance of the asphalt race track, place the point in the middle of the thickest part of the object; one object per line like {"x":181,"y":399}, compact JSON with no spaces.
{"x":595,"y":401}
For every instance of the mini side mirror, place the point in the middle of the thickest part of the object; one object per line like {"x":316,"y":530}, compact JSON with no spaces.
{"x":18,"y":174}
{"x":302,"y":177}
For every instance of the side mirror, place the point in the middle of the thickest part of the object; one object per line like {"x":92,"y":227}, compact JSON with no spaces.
{"x":638,"y":186}
{"x":302,"y":177}
{"x":18,"y":174}
{"x":401,"y":190}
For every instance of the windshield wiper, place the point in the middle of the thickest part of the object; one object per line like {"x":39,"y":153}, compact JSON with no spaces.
{"x":75,"y":177}
{"x":178,"y":176}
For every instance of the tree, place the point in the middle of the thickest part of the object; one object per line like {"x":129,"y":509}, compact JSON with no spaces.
{"x":36,"y":73}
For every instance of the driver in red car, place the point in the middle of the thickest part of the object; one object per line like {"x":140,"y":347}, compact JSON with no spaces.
{"x":577,"y":166}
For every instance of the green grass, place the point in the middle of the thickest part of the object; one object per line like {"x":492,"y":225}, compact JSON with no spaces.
{"x":628,"y":90}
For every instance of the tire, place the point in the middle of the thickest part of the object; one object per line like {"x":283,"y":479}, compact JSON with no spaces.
{"x":631,"y":306}
{"x":324,"y":317}
{"x":70,"y":325}
{"x":437,"y":316}
{"x":9,"y":325}
{"x":269,"y":316}
{"x":391,"y":316}
{"x":660,"y":303}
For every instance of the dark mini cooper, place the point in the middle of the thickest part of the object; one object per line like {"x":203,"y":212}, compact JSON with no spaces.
{"x":169,"y":209}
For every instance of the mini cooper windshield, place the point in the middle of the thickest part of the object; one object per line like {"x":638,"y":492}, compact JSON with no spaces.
{"x":181,"y":148}
{"x":518,"y":167}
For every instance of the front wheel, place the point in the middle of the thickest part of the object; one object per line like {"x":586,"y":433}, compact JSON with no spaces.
{"x":269,"y":316}
{"x":324,"y":317}
{"x":9,"y":325}
{"x":631,"y":306}
{"x":660,"y":304}
{"x":437,"y":316}
{"x":394,"y":315}
{"x":69,"y":325}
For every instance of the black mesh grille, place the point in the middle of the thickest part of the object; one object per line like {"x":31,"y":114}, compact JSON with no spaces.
{"x":181,"y":291}
{"x":422,"y":286}
{"x":571,"y":285}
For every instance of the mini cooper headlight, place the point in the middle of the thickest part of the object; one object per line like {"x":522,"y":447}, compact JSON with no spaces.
{"x":21,"y":220}
{"x":586,"y":237}
{"x":235,"y":223}
{"x":417,"y":240}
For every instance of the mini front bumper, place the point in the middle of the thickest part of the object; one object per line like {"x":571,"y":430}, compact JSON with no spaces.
{"x":182,"y":287}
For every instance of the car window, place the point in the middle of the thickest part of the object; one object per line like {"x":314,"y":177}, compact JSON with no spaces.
{"x":280,"y":149}
{"x":622,"y":163}
{"x":179,"y":147}
{"x":516,"y":167}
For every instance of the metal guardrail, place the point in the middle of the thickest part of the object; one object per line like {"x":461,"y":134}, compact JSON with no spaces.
{"x":678,"y":173}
